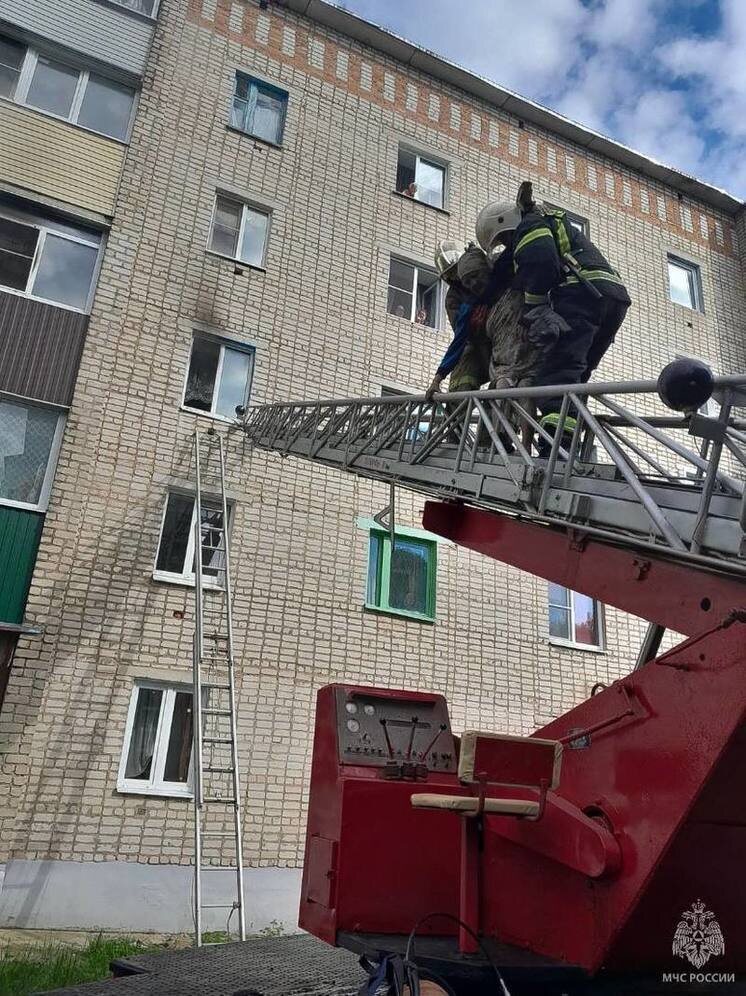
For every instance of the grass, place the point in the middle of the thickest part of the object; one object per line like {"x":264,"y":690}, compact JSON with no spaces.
{"x":53,"y":966}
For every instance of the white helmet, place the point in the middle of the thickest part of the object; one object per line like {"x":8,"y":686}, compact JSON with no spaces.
{"x":495,"y":218}
{"x":447,"y":256}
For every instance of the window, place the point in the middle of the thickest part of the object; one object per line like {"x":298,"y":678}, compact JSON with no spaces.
{"x":46,"y":259}
{"x":239,"y":231}
{"x":156,"y":759}
{"x":402,"y":581}
{"x":684,"y":285}
{"x":12,"y":54}
{"x":175,"y":559}
{"x":576,"y":221}
{"x":414,"y":293}
{"x":259,"y":108}
{"x":574,"y":619}
{"x":420,"y":178}
{"x":64,"y":91}
{"x":219,"y":376}
{"x":147,"y":7}
{"x":29,"y":444}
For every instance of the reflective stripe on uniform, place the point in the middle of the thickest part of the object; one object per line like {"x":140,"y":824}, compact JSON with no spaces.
{"x":537,"y":233}
{"x":563,"y":239}
{"x":551,"y":421}
{"x":534,"y":299}
{"x":607,"y":275}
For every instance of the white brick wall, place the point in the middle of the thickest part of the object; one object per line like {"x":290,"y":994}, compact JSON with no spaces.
{"x":317,"y":317}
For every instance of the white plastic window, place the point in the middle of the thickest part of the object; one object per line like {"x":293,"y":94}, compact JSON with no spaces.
{"x":42,"y":259}
{"x":413,"y":293}
{"x":30,"y":439}
{"x":420,"y":178}
{"x":684,"y":286}
{"x":175,"y":560}
{"x":65,"y":91}
{"x":239,"y":231}
{"x":574,"y":619}
{"x":219,"y":377}
{"x":157,"y":753}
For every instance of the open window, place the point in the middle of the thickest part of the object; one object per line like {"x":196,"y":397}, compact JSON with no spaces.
{"x":175,"y":560}
{"x":219,"y":376}
{"x":414,"y":293}
{"x":239,"y":230}
{"x":157,"y":752}
{"x":420,"y":178}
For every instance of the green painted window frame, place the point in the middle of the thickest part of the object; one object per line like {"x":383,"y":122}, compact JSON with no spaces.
{"x":380,"y":602}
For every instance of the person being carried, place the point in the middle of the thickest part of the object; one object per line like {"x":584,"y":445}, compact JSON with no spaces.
{"x":473,"y":287}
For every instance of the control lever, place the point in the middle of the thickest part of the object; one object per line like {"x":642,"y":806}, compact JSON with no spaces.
{"x":411,"y":737}
{"x":432,"y":743}
{"x":388,"y":739}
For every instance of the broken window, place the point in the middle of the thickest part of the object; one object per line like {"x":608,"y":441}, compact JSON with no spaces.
{"x":175,"y":560}
{"x":219,"y":377}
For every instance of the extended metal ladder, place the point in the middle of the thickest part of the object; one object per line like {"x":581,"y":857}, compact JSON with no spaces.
{"x":620,"y":464}
{"x":217,"y":795}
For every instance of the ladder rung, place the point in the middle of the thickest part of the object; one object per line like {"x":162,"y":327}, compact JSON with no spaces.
{"x":218,"y":771}
{"x":219,"y":798}
{"x":220,"y":906}
{"x":217,"y":740}
{"x":218,"y":833}
{"x":216,"y":712}
{"x":215,"y":684}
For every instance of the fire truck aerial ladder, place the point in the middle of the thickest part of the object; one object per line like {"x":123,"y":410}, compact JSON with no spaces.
{"x":611,"y":841}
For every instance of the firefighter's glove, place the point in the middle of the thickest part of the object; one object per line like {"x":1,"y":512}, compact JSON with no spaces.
{"x":544,"y":326}
{"x":434,"y":387}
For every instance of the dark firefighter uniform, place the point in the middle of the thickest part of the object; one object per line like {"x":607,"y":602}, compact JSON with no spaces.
{"x":540,"y":242}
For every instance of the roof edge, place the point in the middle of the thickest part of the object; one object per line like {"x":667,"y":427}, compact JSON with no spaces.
{"x":372,"y":35}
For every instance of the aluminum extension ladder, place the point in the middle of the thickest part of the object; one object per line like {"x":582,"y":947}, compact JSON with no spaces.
{"x":217,"y":793}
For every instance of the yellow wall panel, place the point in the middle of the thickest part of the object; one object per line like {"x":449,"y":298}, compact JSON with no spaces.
{"x":58,"y":160}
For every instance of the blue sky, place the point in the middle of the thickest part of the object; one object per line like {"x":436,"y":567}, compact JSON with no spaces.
{"x":667,"y":77}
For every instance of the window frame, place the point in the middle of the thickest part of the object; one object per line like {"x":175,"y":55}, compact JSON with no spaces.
{"x":155,"y":787}
{"x":559,"y":641}
{"x":188,"y":579}
{"x":54,"y":451}
{"x":238,"y":347}
{"x":25,"y":78}
{"x":138,"y":13}
{"x":44,"y":231}
{"x":251,"y":205}
{"x":578,"y":219}
{"x":439,"y":296}
{"x":694,"y":271}
{"x":383,"y":578}
{"x":431,"y":160}
{"x":259,"y":82}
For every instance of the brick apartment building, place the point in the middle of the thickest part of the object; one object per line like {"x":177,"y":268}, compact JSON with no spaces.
{"x":259,"y":248}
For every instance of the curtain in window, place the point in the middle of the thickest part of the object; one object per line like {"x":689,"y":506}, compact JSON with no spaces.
{"x":144,"y":729}
{"x":26,"y":436}
{"x":408,"y":583}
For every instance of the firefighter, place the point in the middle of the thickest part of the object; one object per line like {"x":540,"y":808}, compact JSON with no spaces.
{"x":473,"y":286}
{"x":575,"y":302}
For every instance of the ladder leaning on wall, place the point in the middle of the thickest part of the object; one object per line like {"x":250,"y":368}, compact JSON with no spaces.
{"x":217,"y":795}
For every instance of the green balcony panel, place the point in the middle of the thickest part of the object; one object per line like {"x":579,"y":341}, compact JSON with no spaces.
{"x":20,"y":532}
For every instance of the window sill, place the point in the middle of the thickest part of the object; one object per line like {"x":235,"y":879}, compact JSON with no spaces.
{"x":184,"y":582}
{"x":411,"y":321}
{"x":212,"y":416}
{"x":687,"y":307}
{"x":415,"y":200}
{"x":22,"y":506}
{"x":160,"y":793}
{"x":569,"y":645}
{"x":236,"y":262}
{"x":254,"y":138}
{"x":399,"y":614}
